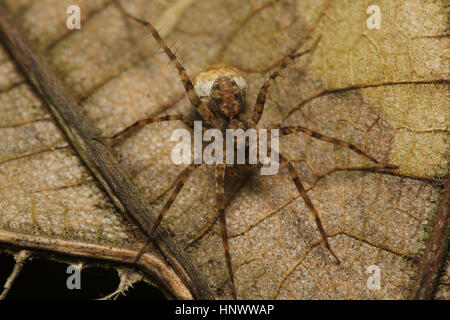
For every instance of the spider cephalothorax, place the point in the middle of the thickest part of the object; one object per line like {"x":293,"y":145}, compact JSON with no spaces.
{"x":222,"y":89}
{"x":218,"y":95}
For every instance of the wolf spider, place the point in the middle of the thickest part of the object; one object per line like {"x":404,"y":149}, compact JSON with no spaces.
{"x":218,"y":95}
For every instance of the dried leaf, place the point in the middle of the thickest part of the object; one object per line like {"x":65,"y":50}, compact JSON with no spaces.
{"x":379,"y":89}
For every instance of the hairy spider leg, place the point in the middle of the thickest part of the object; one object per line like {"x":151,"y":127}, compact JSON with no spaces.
{"x":181,"y":180}
{"x":309,"y":204}
{"x":128,"y":131}
{"x":220,"y":203}
{"x":335,"y":141}
{"x":242,"y":180}
{"x":261,"y":99}
{"x":201,"y":107}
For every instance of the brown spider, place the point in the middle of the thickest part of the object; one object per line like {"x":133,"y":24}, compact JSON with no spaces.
{"x":218,"y":94}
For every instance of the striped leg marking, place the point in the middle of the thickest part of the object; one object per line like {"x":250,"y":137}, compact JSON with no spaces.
{"x":338,"y":142}
{"x":309,"y":204}
{"x":220,"y":203}
{"x":181,"y":180}
{"x":128,"y":131}
{"x":261,"y":100}
{"x":202,"y":108}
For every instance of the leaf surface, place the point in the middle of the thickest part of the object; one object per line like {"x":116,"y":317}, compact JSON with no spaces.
{"x":378,"y":89}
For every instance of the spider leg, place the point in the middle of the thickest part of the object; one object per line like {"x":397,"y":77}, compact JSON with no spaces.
{"x":180,"y":183}
{"x":128,"y":131}
{"x":220,"y":203}
{"x":309,"y":203}
{"x":261,"y":99}
{"x":335,"y":141}
{"x":201,"y":107}
{"x":207,"y":227}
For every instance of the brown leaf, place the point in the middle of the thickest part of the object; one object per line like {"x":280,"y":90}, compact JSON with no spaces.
{"x":379,"y":89}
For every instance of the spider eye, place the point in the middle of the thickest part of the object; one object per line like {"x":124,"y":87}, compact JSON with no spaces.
{"x":204,"y":81}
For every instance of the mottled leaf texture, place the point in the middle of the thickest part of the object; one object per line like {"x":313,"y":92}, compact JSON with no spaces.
{"x":385,"y":90}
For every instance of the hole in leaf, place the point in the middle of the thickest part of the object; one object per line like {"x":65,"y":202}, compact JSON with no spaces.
{"x":42,"y":279}
{"x":141,"y":291}
{"x":6,"y":267}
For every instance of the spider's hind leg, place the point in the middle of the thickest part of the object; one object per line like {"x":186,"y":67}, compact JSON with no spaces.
{"x":220,"y":203}
{"x":309,"y":204}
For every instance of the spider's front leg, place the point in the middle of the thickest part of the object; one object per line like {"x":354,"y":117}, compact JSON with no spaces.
{"x":261,"y":99}
{"x":220,"y":203}
{"x":201,"y":107}
{"x":309,"y":204}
